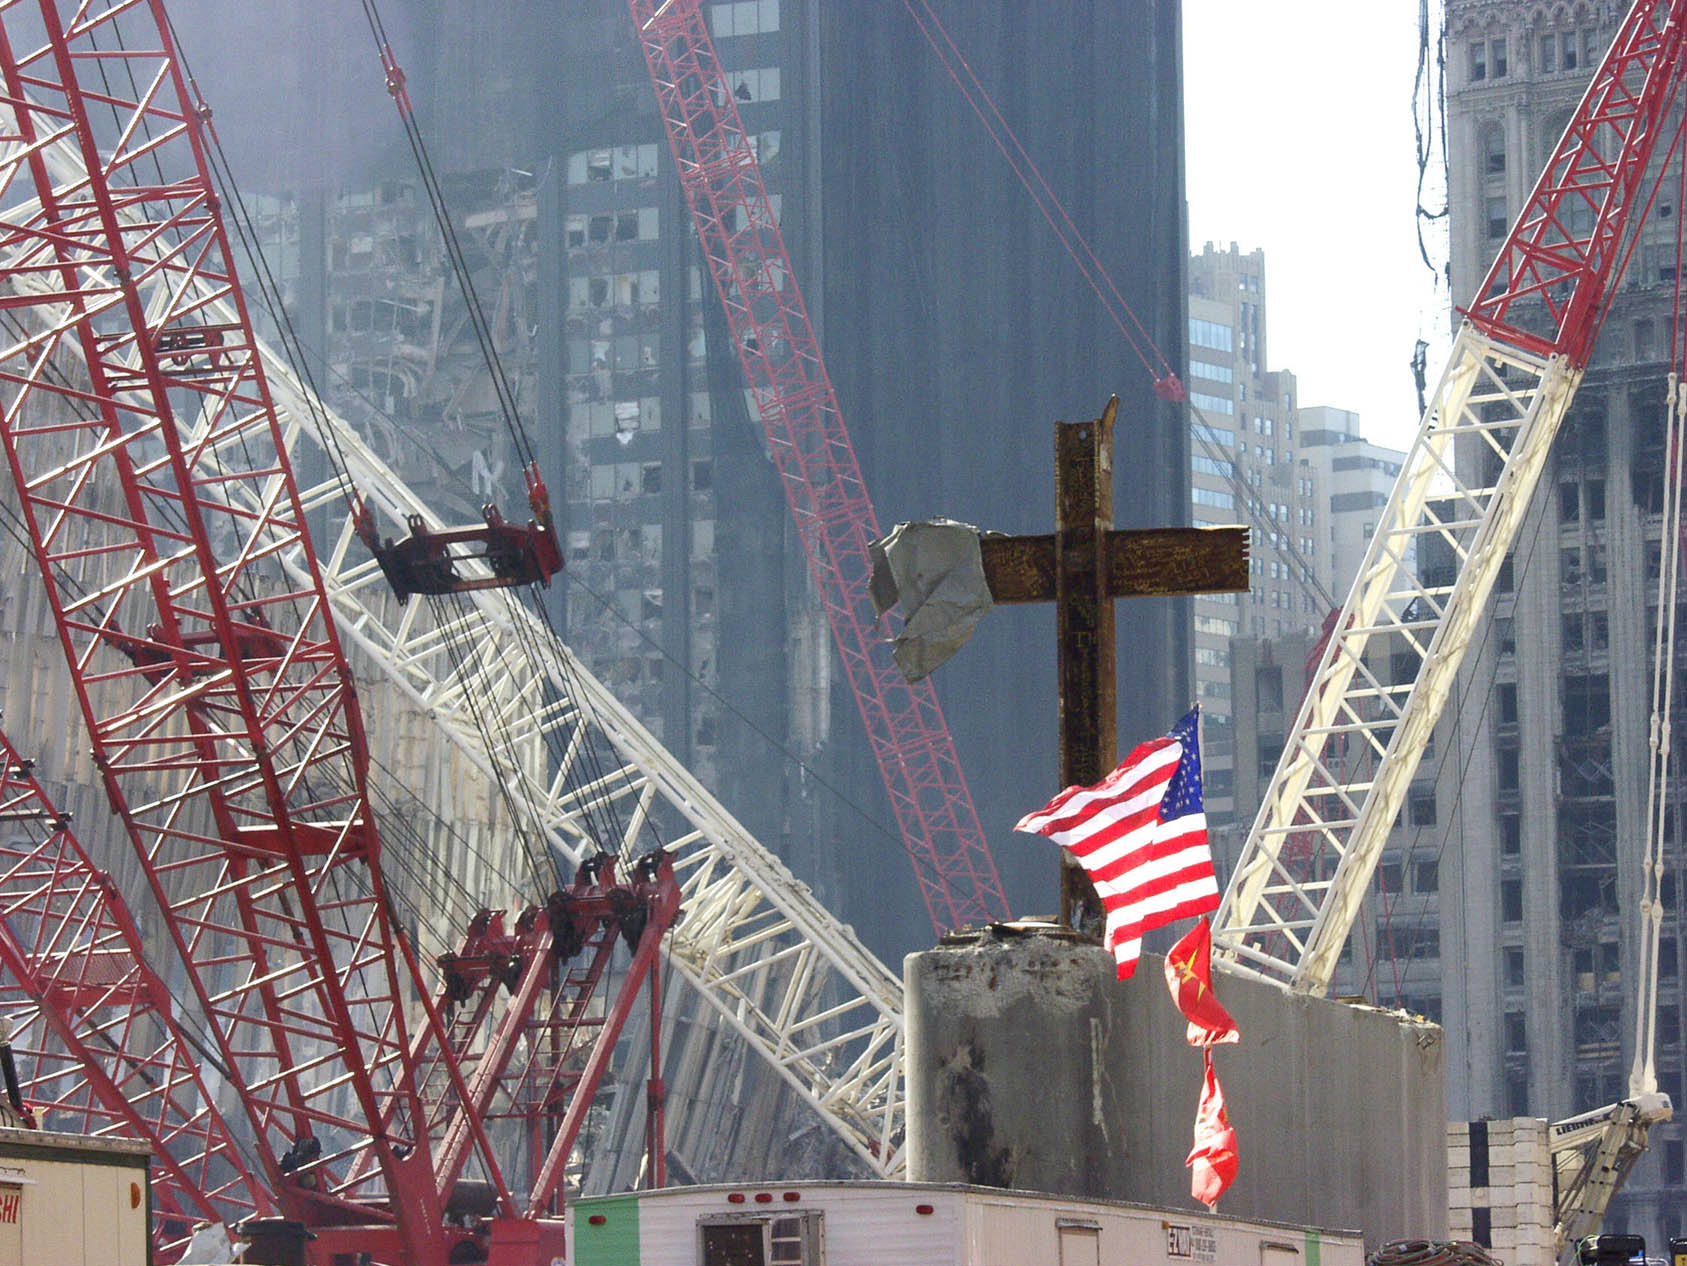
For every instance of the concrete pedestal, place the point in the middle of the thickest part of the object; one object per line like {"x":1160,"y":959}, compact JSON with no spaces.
{"x":1031,"y":1066}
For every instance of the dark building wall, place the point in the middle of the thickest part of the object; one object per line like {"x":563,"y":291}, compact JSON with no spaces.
{"x":957,"y":330}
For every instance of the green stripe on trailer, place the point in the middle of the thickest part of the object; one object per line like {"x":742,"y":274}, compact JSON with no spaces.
{"x":1313,"y":1244}
{"x":612,"y":1242}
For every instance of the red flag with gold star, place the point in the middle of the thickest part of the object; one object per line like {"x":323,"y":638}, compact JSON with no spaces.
{"x":1213,"y":1161}
{"x":1189,"y":973}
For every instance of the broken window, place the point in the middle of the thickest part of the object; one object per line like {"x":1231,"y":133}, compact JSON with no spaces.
{"x":1516,"y":1038}
{"x":1420,"y":806}
{"x":1478,"y":61}
{"x":1496,"y":221}
{"x":1570,"y":46}
{"x":1426,"y":876}
{"x":1507,"y":768}
{"x":598,"y":228}
{"x":1388,"y":877}
{"x":702,"y":475}
{"x":1587,"y":704}
{"x":1569,"y":502}
{"x":1514,"y":969}
{"x":626,"y":226}
{"x":1511,"y":900}
{"x":650,"y":478}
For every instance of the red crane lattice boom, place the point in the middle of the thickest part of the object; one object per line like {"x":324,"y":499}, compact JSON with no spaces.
{"x":783,"y":368}
{"x":217,"y":697}
{"x":98,"y":1043}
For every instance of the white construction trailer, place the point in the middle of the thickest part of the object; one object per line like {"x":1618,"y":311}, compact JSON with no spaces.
{"x":70,"y":1200}
{"x":923,"y":1224}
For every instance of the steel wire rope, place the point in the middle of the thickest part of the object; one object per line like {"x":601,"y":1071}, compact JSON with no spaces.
{"x":295,"y":351}
{"x":508,"y":404}
{"x":807,"y":769}
{"x":448,"y":232}
{"x":1020,"y":166}
{"x":1425,"y":129}
{"x":534,"y":645}
{"x":1072,"y":239}
{"x":470,"y":671}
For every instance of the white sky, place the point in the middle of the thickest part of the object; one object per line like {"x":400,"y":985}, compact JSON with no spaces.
{"x":1298,"y":124}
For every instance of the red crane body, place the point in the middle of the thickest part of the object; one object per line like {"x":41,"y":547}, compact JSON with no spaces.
{"x":139,"y":434}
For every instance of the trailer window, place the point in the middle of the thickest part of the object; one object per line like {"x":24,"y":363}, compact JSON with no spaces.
{"x":736,"y":1244}
{"x":792,"y":1240}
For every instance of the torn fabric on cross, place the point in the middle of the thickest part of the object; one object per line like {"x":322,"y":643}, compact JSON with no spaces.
{"x":933,"y":572}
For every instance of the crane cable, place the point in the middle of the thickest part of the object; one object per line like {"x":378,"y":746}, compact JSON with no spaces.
{"x":1043,"y":196}
{"x":1094,"y":272}
{"x":600,"y":809}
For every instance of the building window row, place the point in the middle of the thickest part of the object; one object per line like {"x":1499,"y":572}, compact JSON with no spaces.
{"x":745,"y":17}
{"x":1213,"y":435}
{"x":621,"y":162}
{"x":1208,"y":466}
{"x":1488,"y":60}
{"x":1219,"y":337}
{"x":1212,"y":404}
{"x":1208,"y":370}
{"x":636,"y":225}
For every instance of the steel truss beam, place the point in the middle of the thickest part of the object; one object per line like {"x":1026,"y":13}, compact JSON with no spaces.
{"x":1465,"y":484}
{"x":795,"y":983}
{"x":99,"y":1046}
{"x":1355,"y":745}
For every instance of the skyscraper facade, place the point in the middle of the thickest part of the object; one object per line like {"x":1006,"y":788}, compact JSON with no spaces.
{"x":1246,"y":466}
{"x":1540,"y":905}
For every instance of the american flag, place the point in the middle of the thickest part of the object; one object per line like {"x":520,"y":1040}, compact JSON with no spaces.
{"x":1142,"y":836}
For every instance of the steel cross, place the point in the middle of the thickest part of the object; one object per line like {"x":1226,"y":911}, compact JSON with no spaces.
{"x":1081,"y":568}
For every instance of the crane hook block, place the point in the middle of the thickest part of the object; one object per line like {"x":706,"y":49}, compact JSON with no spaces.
{"x":430,"y":560}
{"x":1171,"y":388}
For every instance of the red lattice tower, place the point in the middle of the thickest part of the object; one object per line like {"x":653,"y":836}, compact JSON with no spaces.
{"x":783,"y":368}
{"x":218,"y":700}
{"x":98,"y":1044}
